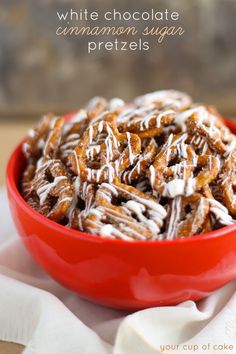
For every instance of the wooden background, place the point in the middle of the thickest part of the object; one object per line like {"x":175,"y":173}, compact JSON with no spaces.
{"x":40,"y":71}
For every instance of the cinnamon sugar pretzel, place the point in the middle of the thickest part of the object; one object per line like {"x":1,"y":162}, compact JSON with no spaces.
{"x":157,"y":168}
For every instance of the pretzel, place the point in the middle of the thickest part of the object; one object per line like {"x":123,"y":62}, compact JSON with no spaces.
{"x":98,"y":145}
{"x":210,"y":166}
{"x":27,"y":177}
{"x":96,"y":106}
{"x":76,"y":124}
{"x":217,"y":210}
{"x":143,"y":161}
{"x":159,"y":173}
{"x":128,"y":219}
{"x":53,"y":189}
{"x":119,"y":219}
{"x":72,"y":132}
{"x":187,"y":223}
{"x":84,"y":195}
{"x":54,"y":138}
{"x":36,"y":137}
{"x":228,"y":139}
{"x":175,"y":180}
{"x":116,"y":105}
{"x":228,"y":182}
{"x":204,"y":124}
{"x":26,"y":187}
{"x":68,"y":145}
{"x":158,"y":167}
{"x":113,"y":165}
{"x":143,"y":185}
{"x":146,"y":122}
{"x":165,"y":98}
{"x":199,"y":144}
{"x":207,"y":225}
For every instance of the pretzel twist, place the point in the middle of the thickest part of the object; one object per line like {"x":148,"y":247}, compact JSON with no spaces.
{"x":228,"y":182}
{"x":35,"y":140}
{"x":143,"y":161}
{"x":204,"y":126}
{"x":179,"y":179}
{"x":146,"y":122}
{"x":114,"y":161}
{"x":187,"y":223}
{"x":53,"y":189}
{"x":138,"y":217}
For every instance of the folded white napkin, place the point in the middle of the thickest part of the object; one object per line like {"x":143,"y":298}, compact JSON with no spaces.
{"x":48,"y":319}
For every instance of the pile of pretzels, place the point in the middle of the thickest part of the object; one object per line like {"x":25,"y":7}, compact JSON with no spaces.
{"x":157,"y":168}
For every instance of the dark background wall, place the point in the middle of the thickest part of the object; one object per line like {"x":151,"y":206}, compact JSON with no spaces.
{"x":40,"y":71}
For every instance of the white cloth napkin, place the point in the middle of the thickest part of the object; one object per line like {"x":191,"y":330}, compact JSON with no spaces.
{"x":48,"y":319}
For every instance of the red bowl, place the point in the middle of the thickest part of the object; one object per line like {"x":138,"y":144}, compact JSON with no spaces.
{"x":121,"y":274}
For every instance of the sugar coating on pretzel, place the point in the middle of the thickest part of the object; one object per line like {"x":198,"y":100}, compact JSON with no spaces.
{"x":141,"y":163}
{"x":165,"y":98}
{"x":189,"y":222}
{"x":139,"y":216}
{"x":228,"y":182}
{"x":36,"y":138}
{"x":157,"y":168}
{"x":51,"y":188}
{"x":146,"y":121}
{"x":114,"y":161}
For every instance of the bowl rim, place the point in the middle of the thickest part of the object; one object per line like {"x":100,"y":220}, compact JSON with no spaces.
{"x":14,"y":191}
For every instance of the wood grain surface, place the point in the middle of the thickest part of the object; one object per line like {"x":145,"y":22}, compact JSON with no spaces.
{"x":10,"y":348}
{"x":41,"y":71}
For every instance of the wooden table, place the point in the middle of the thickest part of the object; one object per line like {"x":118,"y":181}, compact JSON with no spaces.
{"x":10,"y":348}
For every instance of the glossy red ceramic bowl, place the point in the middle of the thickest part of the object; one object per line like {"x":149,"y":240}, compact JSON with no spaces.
{"x":122,"y":274}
